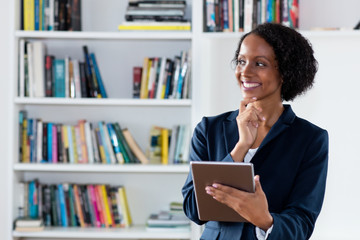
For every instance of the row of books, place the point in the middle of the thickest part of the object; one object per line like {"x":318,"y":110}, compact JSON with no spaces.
{"x":163,"y":78}
{"x":169,"y":146}
{"x":50,"y":15}
{"x":42,"y":75}
{"x":83,"y":205}
{"x":49,"y":142}
{"x":244,"y":15}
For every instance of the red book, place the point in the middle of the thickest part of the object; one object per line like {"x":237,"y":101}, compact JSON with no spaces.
{"x":137,"y":73}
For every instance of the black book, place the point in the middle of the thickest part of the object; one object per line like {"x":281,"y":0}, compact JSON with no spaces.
{"x":357,"y":26}
{"x":83,"y":83}
{"x":75,"y":18}
{"x":45,"y":142}
{"x":60,"y":146}
{"x":56,"y":14}
{"x":49,"y":76}
{"x":93,"y":87}
{"x":62,"y":15}
{"x":84,"y":204}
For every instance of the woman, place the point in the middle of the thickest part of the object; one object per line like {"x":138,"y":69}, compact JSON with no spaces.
{"x":273,"y":63}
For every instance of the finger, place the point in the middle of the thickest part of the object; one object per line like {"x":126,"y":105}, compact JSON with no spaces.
{"x":257,"y":184}
{"x":257,"y":111}
{"x":245,"y":102}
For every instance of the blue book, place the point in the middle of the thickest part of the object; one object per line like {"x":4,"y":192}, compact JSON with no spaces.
{"x":33,"y":200}
{"x":44,"y":2}
{"x":62,"y":203}
{"x":49,"y":142}
{"x":57,"y":204}
{"x":98,"y":76}
{"x":226,"y":14}
{"x":181,"y":80}
{"x":59,"y":77}
{"x":115,"y":142}
{"x":30,"y":136}
{"x":102,"y":134}
{"x":37,"y":15}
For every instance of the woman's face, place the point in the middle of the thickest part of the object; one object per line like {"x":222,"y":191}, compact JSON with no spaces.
{"x":256,"y":70}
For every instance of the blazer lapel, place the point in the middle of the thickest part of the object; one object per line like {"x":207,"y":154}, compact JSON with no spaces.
{"x":231,"y":133}
{"x":285,"y":120}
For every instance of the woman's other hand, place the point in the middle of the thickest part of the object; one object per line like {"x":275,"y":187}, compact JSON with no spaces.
{"x":251,"y":206}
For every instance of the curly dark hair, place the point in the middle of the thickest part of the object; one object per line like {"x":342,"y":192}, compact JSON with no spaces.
{"x":294,"y":55}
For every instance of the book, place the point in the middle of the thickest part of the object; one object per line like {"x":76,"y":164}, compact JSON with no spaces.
{"x":137,"y":72}
{"x":125,"y":149}
{"x":125,"y":206}
{"x":167,"y":219}
{"x":155,"y":26}
{"x":99,"y":80}
{"x":28,"y":222}
{"x":29,"y":15}
{"x":135,"y":148}
{"x":144,"y":79}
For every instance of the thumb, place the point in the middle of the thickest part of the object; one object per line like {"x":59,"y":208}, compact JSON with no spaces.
{"x":257,"y":183}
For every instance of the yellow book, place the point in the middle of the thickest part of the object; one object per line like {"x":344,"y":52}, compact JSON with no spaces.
{"x":100,"y":145}
{"x":29,"y":15}
{"x":155,"y":26}
{"x":125,"y":206}
{"x":164,"y":145}
{"x":25,"y":146}
{"x":106,"y":205}
{"x":76,"y":157}
{"x":83,"y":141}
{"x":65,"y":141}
{"x":144,"y":79}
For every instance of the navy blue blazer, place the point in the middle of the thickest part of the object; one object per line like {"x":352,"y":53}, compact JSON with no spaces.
{"x":291,"y":161}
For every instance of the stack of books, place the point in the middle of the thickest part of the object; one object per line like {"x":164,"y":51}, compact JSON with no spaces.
{"x":156,"y":15}
{"x":165,"y":219}
{"x":27,"y":224}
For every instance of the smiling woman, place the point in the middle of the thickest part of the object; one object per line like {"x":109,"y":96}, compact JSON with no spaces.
{"x":273,"y":63}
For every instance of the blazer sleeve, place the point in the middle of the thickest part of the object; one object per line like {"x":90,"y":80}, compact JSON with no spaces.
{"x":298,"y":218}
{"x":198,"y":152}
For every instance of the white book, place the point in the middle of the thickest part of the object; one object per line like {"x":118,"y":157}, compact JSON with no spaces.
{"x":236,"y":15}
{"x":173,"y":143}
{"x":89,"y":144}
{"x":177,"y":65}
{"x":161,"y":78}
{"x":185,"y":151}
{"x":31,"y":84}
{"x":94,"y":145}
{"x":263,"y":10}
{"x":39,"y":141}
{"x":51,"y":15}
{"x":248,"y":15}
{"x":21,"y":68}
{"x":76,"y":71}
{"x":152,"y":75}
{"x":39,"y":52}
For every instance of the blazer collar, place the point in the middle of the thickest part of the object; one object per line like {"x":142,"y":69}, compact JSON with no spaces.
{"x":231,"y":132}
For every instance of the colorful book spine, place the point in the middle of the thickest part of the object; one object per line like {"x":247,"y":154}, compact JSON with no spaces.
{"x":62,"y":203}
{"x":55,"y":150}
{"x":98,"y":76}
{"x":49,"y":142}
{"x":29,"y":15}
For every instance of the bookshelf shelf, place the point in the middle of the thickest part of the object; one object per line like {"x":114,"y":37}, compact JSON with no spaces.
{"x":146,"y":35}
{"x":101,"y":168}
{"x":307,"y":33}
{"x":104,"y":101}
{"x":135,"y":232}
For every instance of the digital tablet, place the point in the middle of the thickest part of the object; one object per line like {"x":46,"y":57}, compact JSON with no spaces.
{"x":237,"y":175}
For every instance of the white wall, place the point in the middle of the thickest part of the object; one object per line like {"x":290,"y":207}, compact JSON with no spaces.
{"x":333,"y":104}
{"x":4,"y":114}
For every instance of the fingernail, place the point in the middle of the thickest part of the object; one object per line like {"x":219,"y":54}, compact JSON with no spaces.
{"x":254,"y":98}
{"x":215,"y":185}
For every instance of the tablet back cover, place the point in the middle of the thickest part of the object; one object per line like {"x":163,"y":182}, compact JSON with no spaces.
{"x":238,"y":175}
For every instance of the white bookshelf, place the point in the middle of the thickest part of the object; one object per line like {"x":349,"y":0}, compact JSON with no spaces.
{"x":211,"y":76}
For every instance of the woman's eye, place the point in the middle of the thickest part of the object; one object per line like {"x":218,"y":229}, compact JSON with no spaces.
{"x":240,"y":62}
{"x":260,"y":64}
